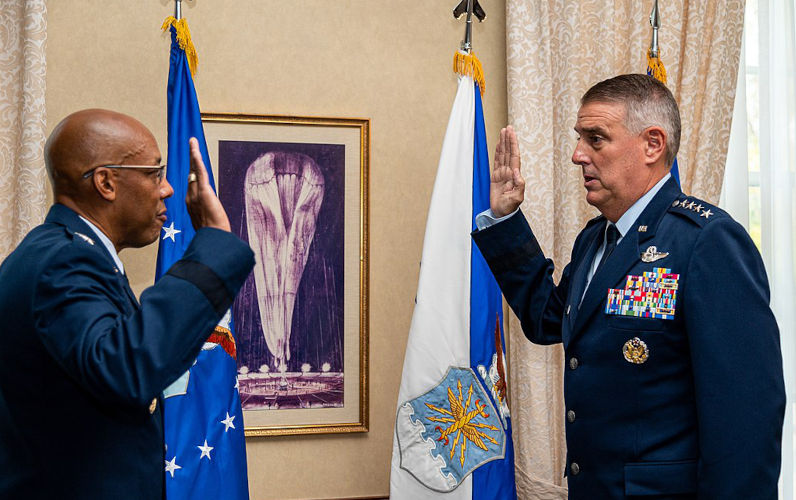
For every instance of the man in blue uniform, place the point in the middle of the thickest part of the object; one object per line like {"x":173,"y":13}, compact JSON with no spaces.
{"x":673,"y":373}
{"x":83,"y":362}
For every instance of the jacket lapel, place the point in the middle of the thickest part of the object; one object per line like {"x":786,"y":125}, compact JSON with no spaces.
{"x":626,"y":254}
{"x":582,"y":265}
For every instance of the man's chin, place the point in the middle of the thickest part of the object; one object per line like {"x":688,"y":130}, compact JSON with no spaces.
{"x":593,"y":198}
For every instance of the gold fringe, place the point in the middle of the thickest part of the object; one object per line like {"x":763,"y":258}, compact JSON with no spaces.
{"x":656,"y":68}
{"x":184,"y":39}
{"x":469,"y":65}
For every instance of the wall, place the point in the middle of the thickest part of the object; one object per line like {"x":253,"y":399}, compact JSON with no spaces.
{"x":387,"y":61}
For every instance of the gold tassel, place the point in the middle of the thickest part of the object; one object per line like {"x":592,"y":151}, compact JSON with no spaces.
{"x":469,"y":65}
{"x":655,"y":68}
{"x":184,"y":39}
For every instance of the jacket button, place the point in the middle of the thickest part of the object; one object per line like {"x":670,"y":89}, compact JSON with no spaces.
{"x":574,"y":469}
{"x":573,"y":363}
{"x":571,"y":416}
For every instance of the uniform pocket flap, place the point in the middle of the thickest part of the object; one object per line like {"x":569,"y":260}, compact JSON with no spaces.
{"x":635,"y":323}
{"x":661,"y":478}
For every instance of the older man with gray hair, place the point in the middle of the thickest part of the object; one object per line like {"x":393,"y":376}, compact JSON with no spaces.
{"x":673,"y":378}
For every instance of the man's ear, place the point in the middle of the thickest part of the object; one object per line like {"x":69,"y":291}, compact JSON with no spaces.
{"x":105,"y":183}
{"x":654,"y":144}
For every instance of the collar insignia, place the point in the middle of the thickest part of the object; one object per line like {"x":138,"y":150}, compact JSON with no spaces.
{"x":85,"y":238}
{"x":652,"y":254}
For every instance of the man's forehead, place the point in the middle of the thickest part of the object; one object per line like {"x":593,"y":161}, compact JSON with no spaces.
{"x":141,"y":143}
{"x":597,"y":114}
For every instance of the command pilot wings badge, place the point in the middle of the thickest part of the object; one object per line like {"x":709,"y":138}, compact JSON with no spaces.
{"x":448,"y":432}
{"x":652,"y":254}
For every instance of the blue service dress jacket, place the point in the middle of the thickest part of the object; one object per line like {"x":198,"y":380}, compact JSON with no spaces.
{"x":83,"y":363}
{"x":673,"y":379}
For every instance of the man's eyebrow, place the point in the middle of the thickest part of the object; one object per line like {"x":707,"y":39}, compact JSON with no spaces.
{"x":591,"y":130}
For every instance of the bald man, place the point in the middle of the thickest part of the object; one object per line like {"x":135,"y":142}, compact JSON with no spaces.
{"x":83,"y":362}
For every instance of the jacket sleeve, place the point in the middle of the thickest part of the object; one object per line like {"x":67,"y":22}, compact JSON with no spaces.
{"x":737,"y":365}
{"x":525,"y":277}
{"x":130,"y":357}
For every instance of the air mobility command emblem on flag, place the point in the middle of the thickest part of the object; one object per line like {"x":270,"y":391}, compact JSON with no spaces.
{"x":448,"y":432}
{"x":651,"y":295}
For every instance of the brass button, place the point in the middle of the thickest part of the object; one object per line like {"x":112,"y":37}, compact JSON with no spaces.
{"x":153,"y":405}
{"x":573,"y":363}
{"x":571,"y":416}
{"x":574,"y":469}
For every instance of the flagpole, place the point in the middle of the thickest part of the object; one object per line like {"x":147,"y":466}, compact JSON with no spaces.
{"x":655,"y":22}
{"x":467,"y":43}
{"x":178,"y":9}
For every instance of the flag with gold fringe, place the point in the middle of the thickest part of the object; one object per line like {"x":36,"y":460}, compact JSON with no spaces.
{"x":202,"y":417}
{"x":452,"y":429}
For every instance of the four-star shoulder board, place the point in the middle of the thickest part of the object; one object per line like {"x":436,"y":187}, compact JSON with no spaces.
{"x":696,"y":210}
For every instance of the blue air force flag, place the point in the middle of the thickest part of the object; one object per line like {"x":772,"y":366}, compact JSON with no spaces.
{"x":203,"y":422}
{"x":452,"y":430}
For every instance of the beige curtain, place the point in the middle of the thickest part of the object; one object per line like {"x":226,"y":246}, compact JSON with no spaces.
{"x":556,"y":49}
{"x":23,"y":199}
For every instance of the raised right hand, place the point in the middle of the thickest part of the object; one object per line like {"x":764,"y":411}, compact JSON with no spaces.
{"x":203,"y":205}
{"x":507,"y":187}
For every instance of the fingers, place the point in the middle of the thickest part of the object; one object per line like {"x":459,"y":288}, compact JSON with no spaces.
{"x":197,"y":164}
{"x":496,"y":160}
{"x":519,"y":181}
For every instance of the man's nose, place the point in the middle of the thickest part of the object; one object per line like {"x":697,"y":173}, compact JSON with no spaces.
{"x":578,"y":156}
{"x":165,"y":189}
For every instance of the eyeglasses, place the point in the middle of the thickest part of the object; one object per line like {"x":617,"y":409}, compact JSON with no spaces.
{"x":160,"y":168}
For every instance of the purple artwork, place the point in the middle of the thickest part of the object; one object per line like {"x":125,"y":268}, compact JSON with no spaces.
{"x":287,"y":201}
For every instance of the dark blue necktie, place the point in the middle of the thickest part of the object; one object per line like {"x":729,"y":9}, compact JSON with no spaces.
{"x":611,"y":237}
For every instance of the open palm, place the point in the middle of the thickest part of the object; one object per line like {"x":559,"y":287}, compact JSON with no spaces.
{"x":507,"y":187}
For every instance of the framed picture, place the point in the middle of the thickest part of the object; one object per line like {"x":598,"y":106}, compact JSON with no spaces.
{"x":296,"y":189}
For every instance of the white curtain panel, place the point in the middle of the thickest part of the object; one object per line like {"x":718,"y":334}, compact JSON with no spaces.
{"x":23,"y":199}
{"x":761,"y":174}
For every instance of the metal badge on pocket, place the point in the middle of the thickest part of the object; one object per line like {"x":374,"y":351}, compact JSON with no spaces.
{"x":651,"y":295}
{"x":635,"y":351}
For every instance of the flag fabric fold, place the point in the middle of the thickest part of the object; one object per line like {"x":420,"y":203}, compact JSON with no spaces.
{"x":202,"y":417}
{"x":453,"y":430}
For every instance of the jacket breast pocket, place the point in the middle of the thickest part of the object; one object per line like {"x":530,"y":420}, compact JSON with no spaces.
{"x":661,"y":478}
{"x":636,"y":324}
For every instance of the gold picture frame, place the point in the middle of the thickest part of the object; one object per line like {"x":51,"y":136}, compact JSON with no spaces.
{"x":331,"y":157}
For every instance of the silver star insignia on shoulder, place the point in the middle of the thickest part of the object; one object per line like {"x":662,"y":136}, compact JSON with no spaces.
{"x":676,"y":203}
{"x":85,"y":238}
{"x":706,"y":214}
{"x":652,"y":254}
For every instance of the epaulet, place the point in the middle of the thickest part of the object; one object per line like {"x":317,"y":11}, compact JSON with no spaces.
{"x":698,"y":211}
{"x":80,"y":238}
